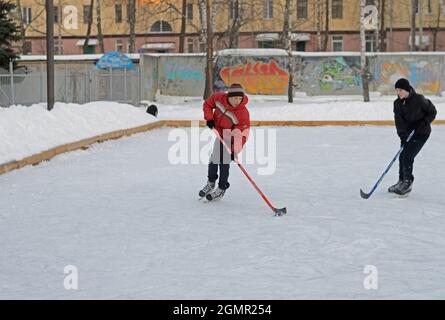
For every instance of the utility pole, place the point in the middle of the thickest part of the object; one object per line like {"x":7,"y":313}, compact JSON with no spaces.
{"x":50,"y":54}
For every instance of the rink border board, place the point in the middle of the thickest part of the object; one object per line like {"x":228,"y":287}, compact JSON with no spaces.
{"x":83,"y":144}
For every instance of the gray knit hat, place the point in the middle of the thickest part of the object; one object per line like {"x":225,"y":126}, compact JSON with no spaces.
{"x":235,"y":90}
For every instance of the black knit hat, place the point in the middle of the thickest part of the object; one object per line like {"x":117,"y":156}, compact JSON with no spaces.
{"x":402,"y":83}
{"x":235,"y":90}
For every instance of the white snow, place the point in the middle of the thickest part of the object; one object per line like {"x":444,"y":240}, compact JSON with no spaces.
{"x":130,"y":222}
{"x":29,"y":130}
{"x":303,"y":108}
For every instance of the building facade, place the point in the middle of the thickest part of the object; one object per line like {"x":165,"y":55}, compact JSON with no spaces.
{"x":315,"y":25}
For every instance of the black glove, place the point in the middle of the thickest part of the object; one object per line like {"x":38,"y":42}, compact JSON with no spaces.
{"x":211,"y":124}
{"x":232,"y":156}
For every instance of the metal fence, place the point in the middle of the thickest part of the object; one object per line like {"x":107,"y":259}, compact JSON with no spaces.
{"x":74,"y":83}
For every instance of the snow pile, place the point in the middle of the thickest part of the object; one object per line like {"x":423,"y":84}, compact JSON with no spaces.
{"x":29,"y":130}
{"x":303,"y":108}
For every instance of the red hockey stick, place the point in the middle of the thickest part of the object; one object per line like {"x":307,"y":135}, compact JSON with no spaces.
{"x":278,"y":212}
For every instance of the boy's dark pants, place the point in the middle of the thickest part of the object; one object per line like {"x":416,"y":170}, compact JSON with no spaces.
{"x":220,"y":157}
{"x":406,"y":159}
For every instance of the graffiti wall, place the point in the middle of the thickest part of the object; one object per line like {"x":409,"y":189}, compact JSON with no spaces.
{"x":182,"y":75}
{"x":330,"y":75}
{"x":423,"y":72}
{"x":258,"y":75}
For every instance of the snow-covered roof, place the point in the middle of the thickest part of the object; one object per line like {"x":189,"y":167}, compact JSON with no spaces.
{"x":75,"y":57}
{"x":252,"y":52}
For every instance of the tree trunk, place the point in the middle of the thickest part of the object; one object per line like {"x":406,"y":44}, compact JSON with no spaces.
{"x":132,"y":22}
{"x":286,"y":25}
{"x":209,"y":40}
{"x":21,"y":24}
{"x":183,"y":25}
{"x":436,"y":29}
{"x":90,"y":22}
{"x":319,"y":14}
{"x":413,"y":24}
{"x":364,"y":69}
{"x":234,"y":27}
{"x":326,"y":34}
{"x":100,"y":36}
{"x":383,"y":39}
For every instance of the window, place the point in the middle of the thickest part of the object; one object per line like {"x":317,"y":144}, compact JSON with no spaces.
{"x":27,"y":47}
{"x":370,"y":43}
{"x":202,"y":47}
{"x":337,"y":9}
{"x":268,"y":9}
{"x":190,"y":46}
{"x":266,"y":44}
{"x":56,"y":14}
{"x":119,"y":45}
{"x":58,"y":46}
{"x":370,"y":3}
{"x":233,"y":9}
{"x":86,"y":14}
{"x":189,"y":11}
{"x":426,"y":9}
{"x":118,"y":13}
{"x":26,"y":15}
{"x":301,"y":46}
{"x":161,"y":26}
{"x":302,"y":9}
{"x":337,"y":43}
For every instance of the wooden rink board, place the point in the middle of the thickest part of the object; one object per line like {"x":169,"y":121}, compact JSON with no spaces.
{"x":83,"y":144}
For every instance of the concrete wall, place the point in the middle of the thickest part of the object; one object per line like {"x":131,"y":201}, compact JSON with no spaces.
{"x":181,"y":75}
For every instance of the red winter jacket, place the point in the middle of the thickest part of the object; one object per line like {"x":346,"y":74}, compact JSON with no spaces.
{"x":239,"y":115}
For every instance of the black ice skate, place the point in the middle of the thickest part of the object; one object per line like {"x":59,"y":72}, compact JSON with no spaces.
{"x":215,"y":194}
{"x":392,"y":189}
{"x":404,"y":188}
{"x":207,"y":189}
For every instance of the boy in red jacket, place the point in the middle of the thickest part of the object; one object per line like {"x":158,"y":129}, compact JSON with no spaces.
{"x":227,"y":113}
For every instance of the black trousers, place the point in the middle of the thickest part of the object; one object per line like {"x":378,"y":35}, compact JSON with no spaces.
{"x":219,"y":158}
{"x":406,"y":159}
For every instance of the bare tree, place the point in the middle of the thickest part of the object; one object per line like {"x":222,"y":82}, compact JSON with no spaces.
{"x":382,"y":12}
{"x":183,"y":25}
{"x":326,"y":34}
{"x":318,"y":9}
{"x":132,"y":23}
{"x":440,"y":7}
{"x":90,"y":22}
{"x":414,"y":5}
{"x":100,"y":36}
{"x":363,"y":62}
{"x":209,"y":51}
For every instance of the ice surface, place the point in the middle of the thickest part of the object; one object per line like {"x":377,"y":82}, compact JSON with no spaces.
{"x":131,"y":223}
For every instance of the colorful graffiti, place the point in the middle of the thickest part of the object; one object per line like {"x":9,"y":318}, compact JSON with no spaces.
{"x":331,"y":74}
{"x":174,"y":71}
{"x":423,"y":74}
{"x":257,"y":77}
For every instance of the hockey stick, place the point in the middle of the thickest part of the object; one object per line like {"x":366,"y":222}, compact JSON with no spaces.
{"x":367,"y":195}
{"x":278,"y":212}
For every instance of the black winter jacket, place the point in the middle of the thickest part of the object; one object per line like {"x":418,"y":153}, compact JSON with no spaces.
{"x":413,"y":113}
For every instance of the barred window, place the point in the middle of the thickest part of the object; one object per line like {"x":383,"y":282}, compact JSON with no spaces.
{"x":337,"y":9}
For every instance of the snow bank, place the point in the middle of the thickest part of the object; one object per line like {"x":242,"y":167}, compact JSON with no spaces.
{"x":29,"y":130}
{"x":303,"y":108}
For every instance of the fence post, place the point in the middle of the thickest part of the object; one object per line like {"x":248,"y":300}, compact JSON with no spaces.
{"x":41,"y":82}
{"x":11,"y":73}
{"x":125,"y":84}
{"x":111,"y":83}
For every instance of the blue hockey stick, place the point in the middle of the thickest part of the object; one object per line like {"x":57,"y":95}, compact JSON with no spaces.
{"x":367,"y":195}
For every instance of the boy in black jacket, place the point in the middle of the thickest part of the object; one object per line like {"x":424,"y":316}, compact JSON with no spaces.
{"x":412,"y":111}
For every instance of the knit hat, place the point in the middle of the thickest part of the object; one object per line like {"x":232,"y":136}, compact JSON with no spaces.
{"x":235,"y":90}
{"x":402,"y":83}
